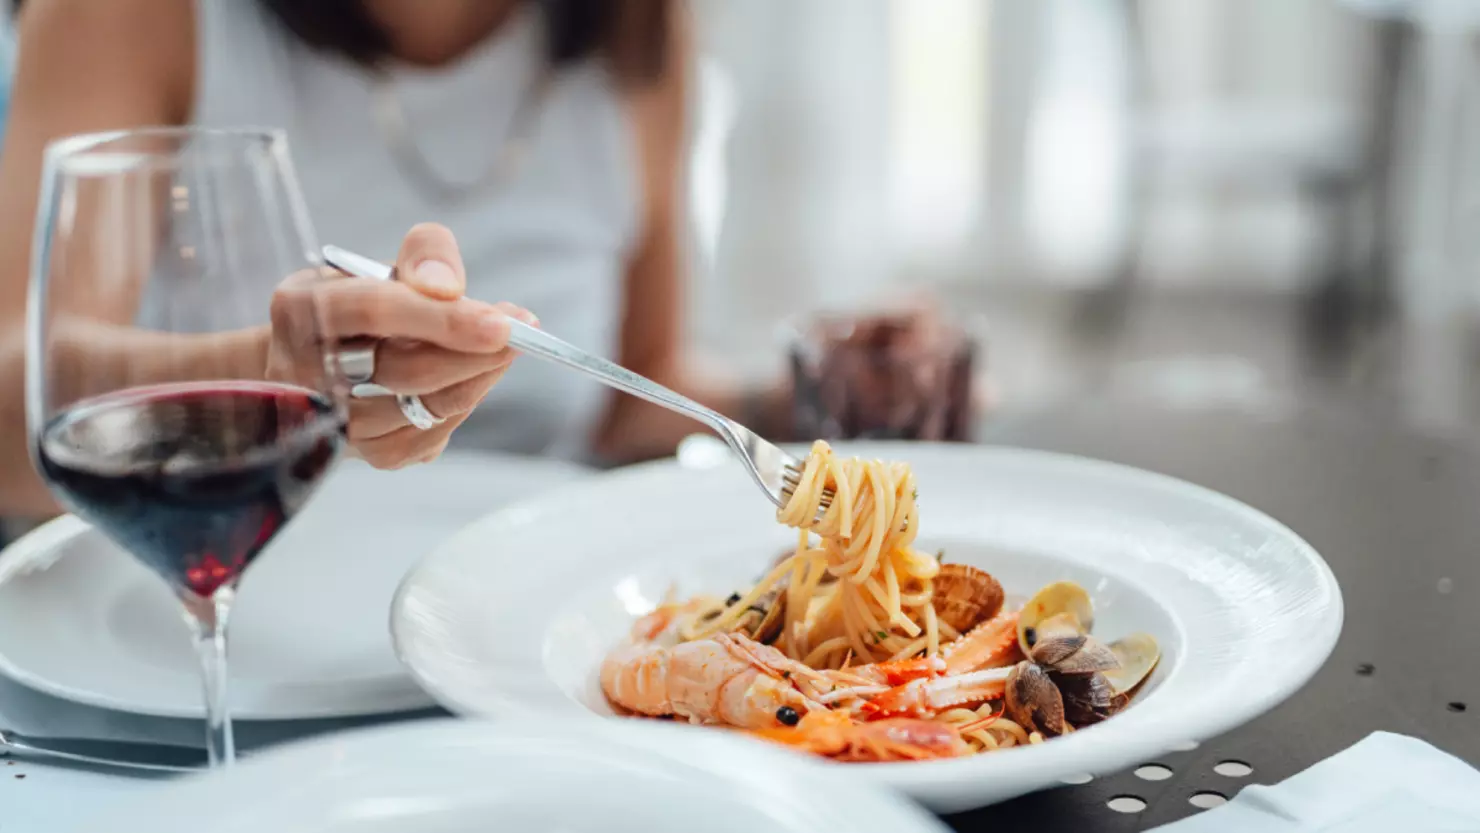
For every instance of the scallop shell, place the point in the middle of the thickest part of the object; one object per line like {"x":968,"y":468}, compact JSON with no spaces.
{"x":965,"y":595}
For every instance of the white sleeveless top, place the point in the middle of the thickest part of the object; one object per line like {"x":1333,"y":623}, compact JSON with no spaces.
{"x":553,"y":237}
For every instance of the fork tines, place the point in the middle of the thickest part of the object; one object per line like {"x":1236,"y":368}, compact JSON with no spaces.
{"x":791,"y":477}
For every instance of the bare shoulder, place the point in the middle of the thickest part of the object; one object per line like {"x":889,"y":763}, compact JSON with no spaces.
{"x":116,"y":63}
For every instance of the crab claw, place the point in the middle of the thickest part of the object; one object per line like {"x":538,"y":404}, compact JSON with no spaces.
{"x":928,"y":697}
{"x":991,"y":644}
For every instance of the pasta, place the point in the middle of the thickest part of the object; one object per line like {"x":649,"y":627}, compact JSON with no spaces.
{"x":857,"y":630}
{"x":878,"y":604}
{"x":879,"y":607}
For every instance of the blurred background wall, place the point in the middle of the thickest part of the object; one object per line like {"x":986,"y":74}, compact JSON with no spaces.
{"x":1294,"y":163}
{"x":1241,"y":193}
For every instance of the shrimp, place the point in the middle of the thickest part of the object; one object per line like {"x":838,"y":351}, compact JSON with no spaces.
{"x":834,"y":735}
{"x":726,"y":678}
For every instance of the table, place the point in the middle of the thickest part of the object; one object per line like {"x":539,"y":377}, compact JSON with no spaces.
{"x":1393,"y":512}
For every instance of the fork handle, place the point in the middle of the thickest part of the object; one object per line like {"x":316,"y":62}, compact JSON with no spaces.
{"x":540,"y":343}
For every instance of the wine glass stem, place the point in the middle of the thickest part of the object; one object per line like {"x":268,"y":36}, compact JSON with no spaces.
{"x":207,"y":620}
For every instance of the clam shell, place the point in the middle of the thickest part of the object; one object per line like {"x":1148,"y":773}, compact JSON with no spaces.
{"x":1088,"y":698}
{"x":1078,"y":654}
{"x":1032,"y":701}
{"x":1138,"y":655}
{"x":1061,"y":599}
{"x":765,"y":627}
{"x":964,"y":596}
{"x":1056,"y":639}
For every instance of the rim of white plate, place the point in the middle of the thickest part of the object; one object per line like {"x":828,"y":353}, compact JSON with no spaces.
{"x":41,"y":547}
{"x":332,"y":774}
{"x":424,"y":633}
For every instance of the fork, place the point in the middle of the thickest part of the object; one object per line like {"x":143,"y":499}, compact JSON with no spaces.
{"x":775,"y":471}
{"x":147,"y":756}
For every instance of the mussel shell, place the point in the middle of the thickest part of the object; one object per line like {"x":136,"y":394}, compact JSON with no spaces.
{"x":964,"y":596}
{"x":1064,"y":599}
{"x":1088,"y":698}
{"x":1138,"y":655}
{"x":1032,"y":701}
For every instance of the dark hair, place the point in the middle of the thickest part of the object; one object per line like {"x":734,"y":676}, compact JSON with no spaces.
{"x":631,"y":36}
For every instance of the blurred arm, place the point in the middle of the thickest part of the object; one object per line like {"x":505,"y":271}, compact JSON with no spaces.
{"x":84,"y":66}
{"x":652,"y":322}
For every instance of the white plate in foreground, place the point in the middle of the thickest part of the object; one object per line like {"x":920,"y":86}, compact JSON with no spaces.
{"x":82,"y":620}
{"x":444,"y":776}
{"x":512,"y":617}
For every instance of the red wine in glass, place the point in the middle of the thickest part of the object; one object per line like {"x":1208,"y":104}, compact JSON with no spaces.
{"x":194,"y":479}
{"x":159,"y":253}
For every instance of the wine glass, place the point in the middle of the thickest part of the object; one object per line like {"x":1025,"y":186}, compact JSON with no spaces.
{"x":150,"y":408}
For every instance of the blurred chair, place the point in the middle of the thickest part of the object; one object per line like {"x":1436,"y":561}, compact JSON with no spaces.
{"x":1435,"y":199}
{"x":1335,"y":159}
{"x":1437,"y":81}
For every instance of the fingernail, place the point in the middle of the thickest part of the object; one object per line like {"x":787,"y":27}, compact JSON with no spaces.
{"x":434,"y":274}
{"x":495,"y":323}
{"x":528,"y":317}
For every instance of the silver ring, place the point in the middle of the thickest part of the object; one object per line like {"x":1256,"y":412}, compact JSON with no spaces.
{"x":357,"y":361}
{"x":416,"y":412}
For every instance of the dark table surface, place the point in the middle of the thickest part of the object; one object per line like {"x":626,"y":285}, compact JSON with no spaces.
{"x":1397,"y":516}
{"x":1394,"y":512}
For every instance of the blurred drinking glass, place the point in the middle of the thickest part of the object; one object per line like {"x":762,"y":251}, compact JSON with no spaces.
{"x":156,"y":257}
{"x":901,"y":376}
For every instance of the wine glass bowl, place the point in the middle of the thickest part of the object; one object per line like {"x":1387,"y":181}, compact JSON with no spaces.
{"x":151,"y":414}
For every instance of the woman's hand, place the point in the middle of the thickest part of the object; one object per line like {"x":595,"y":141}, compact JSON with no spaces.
{"x":433,"y":343}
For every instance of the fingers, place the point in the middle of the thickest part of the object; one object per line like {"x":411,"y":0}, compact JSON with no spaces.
{"x":406,"y":367}
{"x":353,"y":308}
{"x":430,"y":262}
{"x":401,"y":444}
{"x":405,"y":447}
{"x":373,"y":418}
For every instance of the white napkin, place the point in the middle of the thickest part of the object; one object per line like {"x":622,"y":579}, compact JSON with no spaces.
{"x":1384,"y":783}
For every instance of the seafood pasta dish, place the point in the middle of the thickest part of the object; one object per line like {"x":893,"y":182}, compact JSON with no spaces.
{"x":859,"y":647}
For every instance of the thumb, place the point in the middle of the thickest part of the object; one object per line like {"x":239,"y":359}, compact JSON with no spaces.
{"x":430,"y":263}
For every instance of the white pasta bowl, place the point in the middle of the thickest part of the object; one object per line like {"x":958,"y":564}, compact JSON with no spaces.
{"x":512,"y":617}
